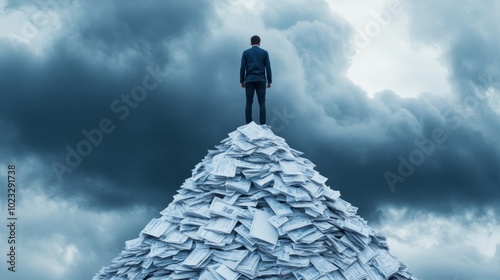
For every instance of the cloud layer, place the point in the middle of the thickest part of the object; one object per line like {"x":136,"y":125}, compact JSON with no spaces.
{"x":155,"y":85}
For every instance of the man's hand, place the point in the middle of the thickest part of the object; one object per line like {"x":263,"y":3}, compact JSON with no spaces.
{"x":242,"y":85}
{"x":268,"y":85}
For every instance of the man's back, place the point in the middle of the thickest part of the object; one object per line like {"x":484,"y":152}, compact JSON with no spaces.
{"x":255,"y":70}
{"x":255,"y":65}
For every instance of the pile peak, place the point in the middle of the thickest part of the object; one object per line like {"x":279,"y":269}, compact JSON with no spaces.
{"x":255,"y":209}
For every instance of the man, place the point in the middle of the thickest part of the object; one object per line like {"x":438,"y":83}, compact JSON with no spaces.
{"x":255,"y":72}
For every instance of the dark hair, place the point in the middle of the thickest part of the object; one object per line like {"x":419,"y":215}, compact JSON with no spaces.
{"x":255,"y":40}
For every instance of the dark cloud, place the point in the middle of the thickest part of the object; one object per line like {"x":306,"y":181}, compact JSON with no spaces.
{"x":466,"y":235}
{"x":466,"y":33}
{"x":283,"y":15}
{"x":51,"y":100}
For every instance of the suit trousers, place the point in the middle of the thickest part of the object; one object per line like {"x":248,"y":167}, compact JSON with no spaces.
{"x":260,"y":89}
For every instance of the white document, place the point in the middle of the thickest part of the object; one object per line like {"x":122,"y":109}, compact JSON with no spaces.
{"x":207,"y":275}
{"x":264,"y":181}
{"x":219,"y":207}
{"x":175,"y":237}
{"x":278,"y":208}
{"x":277,"y":221}
{"x":197,"y":257}
{"x":236,"y":136}
{"x":193,"y":221}
{"x":246,"y":202}
{"x":289,"y":167}
{"x":312,"y":237}
{"x":349,"y":243}
{"x":309,"y":273}
{"x":200,"y":212}
{"x":322,"y":264}
{"x":214,"y":237}
{"x":268,"y":270}
{"x":227,"y":273}
{"x":386,"y":263}
{"x":306,"y":171}
{"x":283,"y":253}
{"x":252,"y":131}
{"x":134,"y":243}
{"x":300,"y":233}
{"x":331,"y":194}
{"x":302,"y":204}
{"x":230,"y":258}
{"x":212,"y":268}
{"x":314,"y":189}
{"x":231,"y":199}
{"x":223,"y":166}
{"x":339,"y":246}
{"x":158,"y":247}
{"x":366,"y":255}
{"x":244,"y":145}
{"x":221,"y":224}
{"x":295,"y":223}
{"x":269,"y":150}
{"x":245,"y":234}
{"x":355,"y":272}
{"x":249,"y":265}
{"x":296,"y":152}
{"x":318,"y":178}
{"x":262,"y":229}
{"x":247,"y":165}
{"x":357,"y":226}
{"x":239,"y":184}
{"x":374,"y":274}
{"x":295,"y":261}
{"x":298,"y":193}
{"x":293,"y":179}
{"x":156,"y":227}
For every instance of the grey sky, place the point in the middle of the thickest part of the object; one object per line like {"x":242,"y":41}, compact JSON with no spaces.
{"x":69,"y":66}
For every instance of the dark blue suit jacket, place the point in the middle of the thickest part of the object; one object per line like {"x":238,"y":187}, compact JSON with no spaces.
{"x":255,"y":66}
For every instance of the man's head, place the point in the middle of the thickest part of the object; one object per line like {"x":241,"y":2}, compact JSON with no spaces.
{"x":255,"y":40}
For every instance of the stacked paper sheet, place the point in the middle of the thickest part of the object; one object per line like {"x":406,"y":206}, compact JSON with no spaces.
{"x":255,"y":209}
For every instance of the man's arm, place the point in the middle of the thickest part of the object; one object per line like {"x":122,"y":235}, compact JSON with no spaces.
{"x":242,"y":70}
{"x":269,"y":74}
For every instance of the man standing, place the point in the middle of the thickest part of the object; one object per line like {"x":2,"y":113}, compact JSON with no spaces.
{"x":255,"y":72}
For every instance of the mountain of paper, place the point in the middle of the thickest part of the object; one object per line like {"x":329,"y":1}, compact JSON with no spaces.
{"x":255,"y":209}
